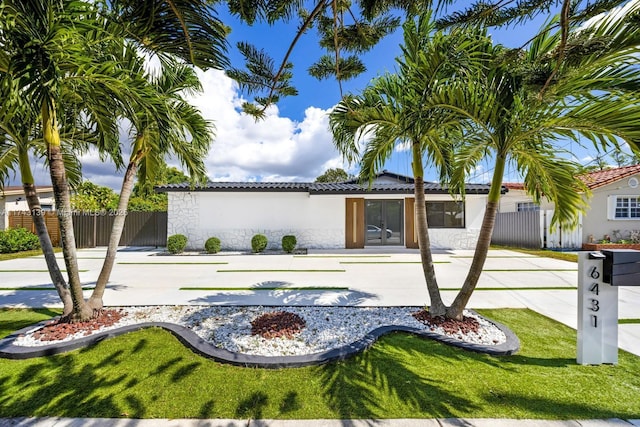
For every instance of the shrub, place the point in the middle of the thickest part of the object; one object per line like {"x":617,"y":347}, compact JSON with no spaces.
{"x":17,"y":240}
{"x":176,"y":243}
{"x":212,"y":245}
{"x":258,"y":243}
{"x":289,"y":243}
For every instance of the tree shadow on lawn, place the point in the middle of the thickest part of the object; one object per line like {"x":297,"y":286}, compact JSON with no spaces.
{"x":368,"y":385}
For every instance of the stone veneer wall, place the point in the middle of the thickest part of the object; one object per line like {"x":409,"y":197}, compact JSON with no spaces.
{"x":453,"y":238}
{"x":183,"y":217}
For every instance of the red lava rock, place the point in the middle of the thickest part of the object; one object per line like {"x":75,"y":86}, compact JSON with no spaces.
{"x":451,"y":326}
{"x":277,"y":324}
{"x":60,"y":329}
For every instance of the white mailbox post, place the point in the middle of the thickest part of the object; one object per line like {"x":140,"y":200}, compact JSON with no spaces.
{"x":597,"y":312}
{"x":599,"y":275}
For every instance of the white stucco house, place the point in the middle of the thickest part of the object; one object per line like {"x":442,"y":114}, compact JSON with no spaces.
{"x":323,"y":215}
{"x":13,"y":199}
{"x":614,"y":205}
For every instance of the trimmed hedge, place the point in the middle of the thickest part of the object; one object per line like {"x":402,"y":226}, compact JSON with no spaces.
{"x":289,"y":243}
{"x":18,"y":240}
{"x":258,"y":243}
{"x":176,"y":243}
{"x":212,"y":245}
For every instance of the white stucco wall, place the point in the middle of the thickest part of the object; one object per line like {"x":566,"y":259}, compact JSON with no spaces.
{"x":509,"y":201}
{"x":596,"y":222}
{"x":11,"y":203}
{"x":317,"y":221}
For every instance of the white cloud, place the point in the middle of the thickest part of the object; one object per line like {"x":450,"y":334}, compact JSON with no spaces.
{"x":274,"y":149}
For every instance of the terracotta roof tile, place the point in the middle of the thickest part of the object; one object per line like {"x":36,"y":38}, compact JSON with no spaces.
{"x":601,"y":178}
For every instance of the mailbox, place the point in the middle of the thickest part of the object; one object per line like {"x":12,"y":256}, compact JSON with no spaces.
{"x":621,"y":267}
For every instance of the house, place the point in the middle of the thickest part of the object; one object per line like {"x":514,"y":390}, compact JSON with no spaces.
{"x":614,"y":205}
{"x":13,"y":199}
{"x":323,"y":215}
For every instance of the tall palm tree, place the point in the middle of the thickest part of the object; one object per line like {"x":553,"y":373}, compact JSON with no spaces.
{"x":593,"y":95}
{"x":174,"y":127}
{"x":394,"y":110}
{"x":50,"y":45}
{"x":493,"y":111}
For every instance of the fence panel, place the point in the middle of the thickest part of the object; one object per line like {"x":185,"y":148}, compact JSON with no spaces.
{"x":22,"y":219}
{"x":518,"y":229}
{"x":145,"y":229}
{"x":561,"y":238}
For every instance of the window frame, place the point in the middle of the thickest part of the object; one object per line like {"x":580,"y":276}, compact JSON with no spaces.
{"x":463,"y":210}
{"x":629,"y":208}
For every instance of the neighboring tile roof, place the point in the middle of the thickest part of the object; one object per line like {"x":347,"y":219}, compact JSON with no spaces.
{"x":601,"y":178}
{"x":318,"y":188}
{"x":593,"y":180}
{"x":387,"y":174}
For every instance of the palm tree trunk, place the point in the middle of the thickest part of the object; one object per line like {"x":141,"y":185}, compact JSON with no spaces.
{"x":47,"y":248}
{"x":81,"y":311}
{"x":436,"y":307}
{"x":95,"y":302}
{"x":456,"y":309}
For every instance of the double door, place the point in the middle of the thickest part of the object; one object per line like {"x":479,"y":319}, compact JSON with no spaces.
{"x":384,"y":222}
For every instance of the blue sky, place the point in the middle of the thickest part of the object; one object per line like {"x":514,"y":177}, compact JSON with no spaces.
{"x":293,"y":143}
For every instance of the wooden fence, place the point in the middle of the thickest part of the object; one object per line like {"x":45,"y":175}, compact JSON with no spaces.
{"x":22,"y":219}
{"x":91,"y":230}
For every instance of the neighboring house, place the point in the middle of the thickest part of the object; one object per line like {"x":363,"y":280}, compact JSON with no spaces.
{"x":614,"y":206}
{"x":323,"y":215}
{"x":13,"y":199}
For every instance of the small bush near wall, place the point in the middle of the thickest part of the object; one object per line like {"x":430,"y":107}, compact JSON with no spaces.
{"x":289,"y":243}
{"x":17,"y":240}
{"x":176,"y":243}
{"x":258,"y":243}
{"x":212,"y":245}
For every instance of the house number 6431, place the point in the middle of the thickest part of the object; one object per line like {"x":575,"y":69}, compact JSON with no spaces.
{"x":594,"y":289}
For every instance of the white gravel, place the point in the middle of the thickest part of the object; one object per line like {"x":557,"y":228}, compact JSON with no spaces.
{"x":326,"y":327}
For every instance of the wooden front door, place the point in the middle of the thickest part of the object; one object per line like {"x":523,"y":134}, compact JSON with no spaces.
{"x":410,"y":235}
{"x":354,"y":223}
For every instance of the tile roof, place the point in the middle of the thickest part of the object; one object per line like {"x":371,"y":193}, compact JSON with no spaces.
{"x":595,"y":179}
{"x":319,"y":188}
{"x":601,"y":178}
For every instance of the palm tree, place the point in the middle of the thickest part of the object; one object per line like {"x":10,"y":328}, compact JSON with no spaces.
{"x":48,"y":46}
{"x":394,"y":110}
{"x":492,"y":111}
{"x":593,"y":95}
{"x":174,"y":127}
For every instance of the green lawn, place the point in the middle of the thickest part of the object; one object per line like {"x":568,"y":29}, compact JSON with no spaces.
{"x":547,"y":253}
{"x":149,"y":374}
{"x":24,"y":254}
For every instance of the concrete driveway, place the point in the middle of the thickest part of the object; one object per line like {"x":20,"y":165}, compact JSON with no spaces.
{"x":382,"y":277}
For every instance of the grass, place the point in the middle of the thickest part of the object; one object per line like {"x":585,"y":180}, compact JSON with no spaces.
{"x":279,"y":271}
{"x":629,"y":321}
{"x":24,"y":254}
{"x":391,"y":262}
{"x":342,"y":256}
{"x":37,"y":288}
{"x":545,"y":253}
{"x":34,"y":271}
{"x":149,"y":374}
{"x":174,"y":263}
{"x":518,"y":288}
{"x":270,"y":288}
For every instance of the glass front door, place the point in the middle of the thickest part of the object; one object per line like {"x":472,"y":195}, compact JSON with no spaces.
{"x":384,"y":222}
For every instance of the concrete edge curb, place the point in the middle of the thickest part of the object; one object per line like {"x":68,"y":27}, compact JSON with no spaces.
{"x":191,"y":340}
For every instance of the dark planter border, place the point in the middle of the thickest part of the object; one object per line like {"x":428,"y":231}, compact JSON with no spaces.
{"x":10,"y":351}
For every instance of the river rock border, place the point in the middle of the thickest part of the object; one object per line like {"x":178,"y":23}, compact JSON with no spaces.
{"x":187,"y":337}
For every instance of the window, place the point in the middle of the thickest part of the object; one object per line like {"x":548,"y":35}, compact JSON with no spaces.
{"x":445,"y":214}
{"x":528,"y":206}
{"x":627,"y":208}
